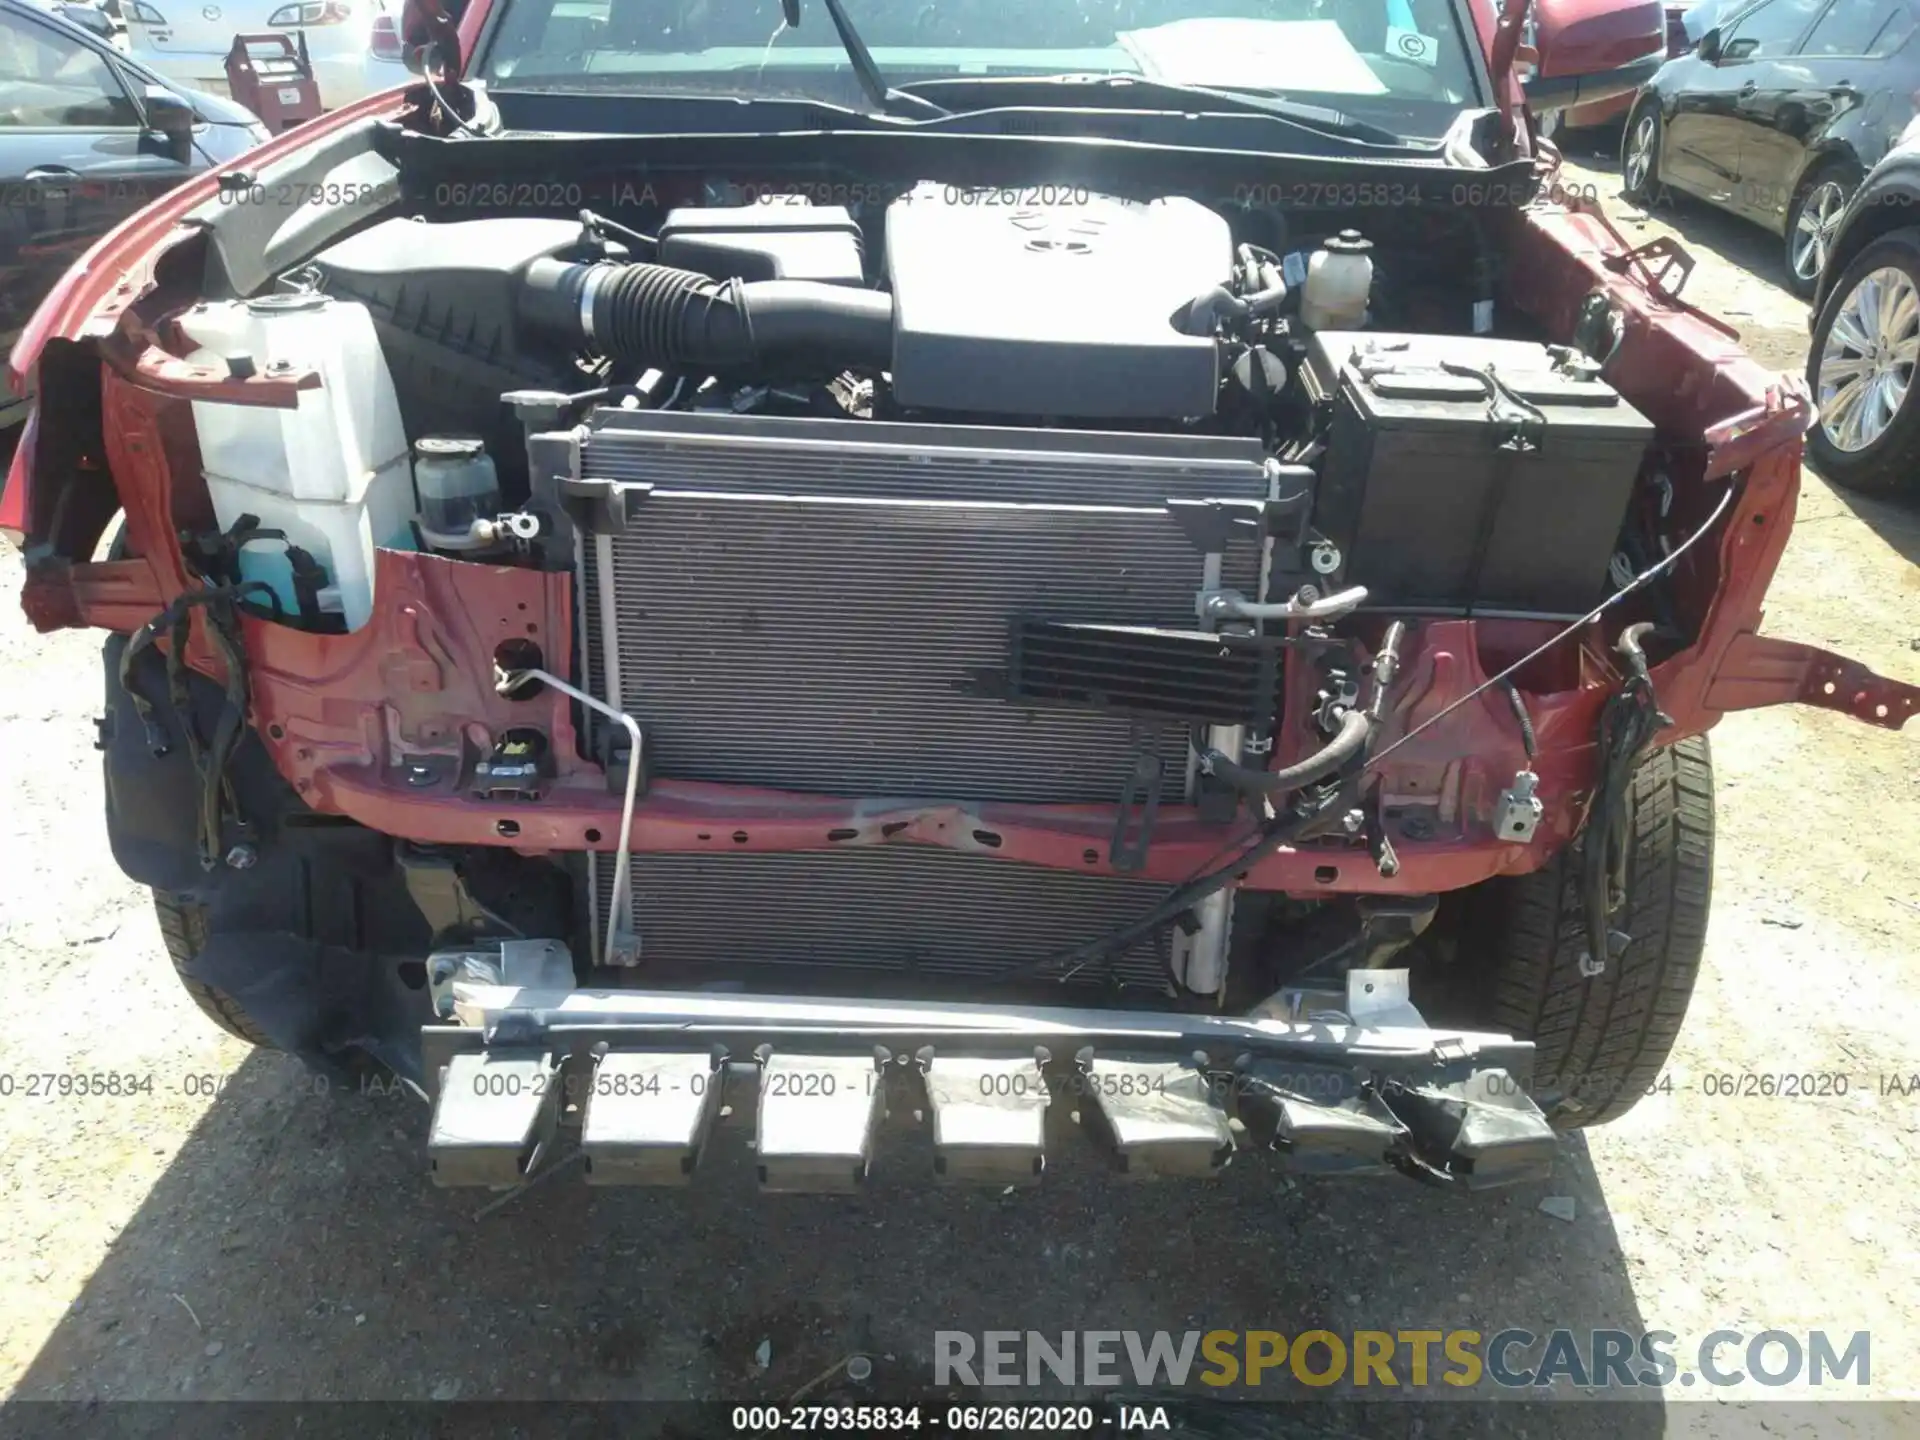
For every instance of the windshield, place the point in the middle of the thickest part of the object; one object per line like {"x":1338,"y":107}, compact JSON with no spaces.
{"x":1404,"y":63}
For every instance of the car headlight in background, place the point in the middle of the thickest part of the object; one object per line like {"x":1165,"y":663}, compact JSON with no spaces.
{"x":143,"y":14}
{"x":312,"y":12}
{"x":259,"y":133}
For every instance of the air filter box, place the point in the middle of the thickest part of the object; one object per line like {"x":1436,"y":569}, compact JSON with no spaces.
{"x":786,"y":241}
{"x":1466,"y":474}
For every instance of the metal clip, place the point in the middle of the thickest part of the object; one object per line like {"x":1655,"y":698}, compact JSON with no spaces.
{"x":1520,"y":809}
{"x":1307,"y":604}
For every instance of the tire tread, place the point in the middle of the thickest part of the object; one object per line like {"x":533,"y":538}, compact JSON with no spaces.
{"x":1611,"y":1034}
{"x":183,"y":928}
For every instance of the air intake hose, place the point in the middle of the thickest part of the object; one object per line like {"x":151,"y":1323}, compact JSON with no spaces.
{"x":659,"y":315}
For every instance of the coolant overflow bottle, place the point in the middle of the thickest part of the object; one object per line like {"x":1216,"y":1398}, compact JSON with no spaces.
{"x":458,"y":485}
{"x":1339,"y":281}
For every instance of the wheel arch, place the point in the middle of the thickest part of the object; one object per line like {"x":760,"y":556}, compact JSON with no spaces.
{"x":1648,"y":99}
{"x":1832,"y":150}
{"x":1879,"y":209}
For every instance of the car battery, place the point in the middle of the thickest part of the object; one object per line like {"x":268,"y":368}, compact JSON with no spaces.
{"x":1466,"y":475}
{"x":273,"y":77}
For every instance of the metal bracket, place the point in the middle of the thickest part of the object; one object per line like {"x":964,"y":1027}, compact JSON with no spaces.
{"x":1379,"y":1000}
{"x":1160,"y":1117}
{"x":817,"y":1115}
{"x":1481,"y":1130}
{"x":648,"y":1115}
{"x":433,"y":881}
{"x":523,"y":964}
{"x":615,"y":752}
{"x":620,"y":502}
{"x":494,"y":1117}
{"x":1664,"y":248}
{"x":1520,"y":809}
{"x":1386,"y":860}
{"x":1139,"y":806}
{"x":1757,"y":670}
{"x":989,"y":1116}
{"x":1390,"y":923}
{"x":1318,"y":1116}
{"x":1211,"y":525}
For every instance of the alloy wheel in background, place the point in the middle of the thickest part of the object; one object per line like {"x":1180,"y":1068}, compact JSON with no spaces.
{"x":1867,"y":361}
{"x":1639,"y":156}
{"x":1815,"y":224}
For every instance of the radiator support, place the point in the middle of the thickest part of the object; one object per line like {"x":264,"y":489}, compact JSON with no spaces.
{"x":844,"y":607}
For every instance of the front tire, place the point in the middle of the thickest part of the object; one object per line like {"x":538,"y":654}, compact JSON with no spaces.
{"x":1861,"y":367}
{"x":1601,"y":1041}
{"x":183,"y":926}
{"x":1813,"y":224}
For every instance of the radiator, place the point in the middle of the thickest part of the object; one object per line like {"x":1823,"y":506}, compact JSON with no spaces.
{"x":941,"y":914}
{"x":805,"y":605}
{"x":822,"y":606}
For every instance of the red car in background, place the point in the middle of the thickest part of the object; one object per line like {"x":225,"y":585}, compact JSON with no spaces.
{"x":1684,"y":27}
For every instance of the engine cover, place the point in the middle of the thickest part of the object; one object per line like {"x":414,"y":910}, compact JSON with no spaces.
{"x":1054,"y":310}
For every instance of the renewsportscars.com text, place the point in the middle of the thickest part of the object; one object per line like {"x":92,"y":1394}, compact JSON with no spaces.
{"x":1511,"y":1359}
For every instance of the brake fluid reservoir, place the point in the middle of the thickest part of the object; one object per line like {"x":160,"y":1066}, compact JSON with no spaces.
{"x":334,"y":471}
{"x":458,"y":485}
{"x":1339,"y":281}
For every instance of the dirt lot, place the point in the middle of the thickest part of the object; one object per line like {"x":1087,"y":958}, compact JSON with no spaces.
{"x":231,"y":1235}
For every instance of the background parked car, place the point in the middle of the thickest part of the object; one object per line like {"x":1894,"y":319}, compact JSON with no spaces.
{"x":1777,"y":113}
{"x":87,"y":136}
{"x":385,"y":66}
{"x":1605,"y":112}
{"x":189,"y":39}
{"x":98,"y":17}
{"x":1866,"y":334}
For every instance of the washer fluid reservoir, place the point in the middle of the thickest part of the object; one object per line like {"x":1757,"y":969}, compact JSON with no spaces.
{"x":334,"y":472}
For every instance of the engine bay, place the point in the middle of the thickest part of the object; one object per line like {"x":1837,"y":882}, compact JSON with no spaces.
{"x":1051,"y":309}
{"x":1113,"y":510}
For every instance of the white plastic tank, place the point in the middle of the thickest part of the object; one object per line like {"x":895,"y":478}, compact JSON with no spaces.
{"x":334,"y":473}
{"x":1339,"y":282}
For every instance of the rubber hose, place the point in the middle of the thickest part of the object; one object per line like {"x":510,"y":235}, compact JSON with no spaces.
{"x":661,"y":315}
{"x":1210,"y":307}
{"x":1520,"y":713}
{"x":1355,"y":727}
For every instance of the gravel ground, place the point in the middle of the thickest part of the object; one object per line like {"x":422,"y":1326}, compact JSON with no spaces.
{"x":231,"y":1235}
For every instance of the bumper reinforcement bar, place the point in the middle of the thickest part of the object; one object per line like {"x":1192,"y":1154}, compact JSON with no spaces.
{"x":641,"y":1081}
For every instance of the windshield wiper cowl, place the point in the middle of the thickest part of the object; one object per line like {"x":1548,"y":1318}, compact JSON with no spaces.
{"x":884,"y":97}
{"x":1322,"y":118}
